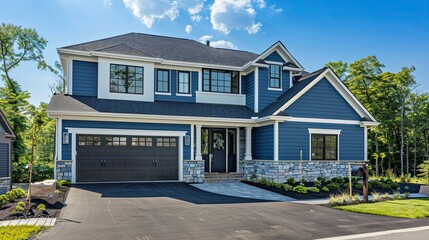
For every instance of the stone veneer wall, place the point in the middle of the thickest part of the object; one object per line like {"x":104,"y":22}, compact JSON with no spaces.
{"x":4,"y":184}
{"x":279,"y":171}
{"x":64,"y":170}
{"x":193,"y":171}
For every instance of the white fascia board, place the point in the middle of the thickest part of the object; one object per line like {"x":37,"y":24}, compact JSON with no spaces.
{"x":324,"y":131}
{"x":272,"y":49}
{"x":201,"y":65}
{"x":127,"y":117}
{"x":161,"y":133}
{"x":324,"y":120}
{"x":339,"y":86}
{"x":292,"y":69}
{"x":369,"y":124}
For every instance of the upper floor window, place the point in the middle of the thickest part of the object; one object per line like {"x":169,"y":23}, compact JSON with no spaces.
{"x":126,"y":79}
{"x":184,"y":83}
{"x":163,"y":81}
{"x":220,"y":81}
{"x":324,"y":147}
{"x":275,"y":81}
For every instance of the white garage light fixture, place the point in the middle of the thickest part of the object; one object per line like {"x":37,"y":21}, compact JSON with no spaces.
{"x":187,"y":140}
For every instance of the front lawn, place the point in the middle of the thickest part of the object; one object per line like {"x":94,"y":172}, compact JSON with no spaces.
{"x":22,"y":232}
{"x":408,"y":208}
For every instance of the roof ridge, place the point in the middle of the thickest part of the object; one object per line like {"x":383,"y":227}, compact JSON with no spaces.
{"x":118,"y":44}
{"x":121,"y":35}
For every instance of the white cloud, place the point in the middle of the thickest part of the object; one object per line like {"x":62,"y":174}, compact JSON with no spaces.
{"x":227,"y":15}
{"x":261,"y":3}
{"x":192,"y":6}
{"x":217,"y":44}
{"x":149,"y":11}
{"x":188,"y":29}
{"x":274,"y":9}
{"x":107,"y":3}
{"x":223,"y":44}
{"x":196,"y":18}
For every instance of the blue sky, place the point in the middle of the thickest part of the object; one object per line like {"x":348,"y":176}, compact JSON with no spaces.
{"x":314,"y":31}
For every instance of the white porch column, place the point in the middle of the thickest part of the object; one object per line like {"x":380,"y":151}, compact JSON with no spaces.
{"x":198,"y":155}
{"x":276,"y":141}
{"x":365,"y":142}
{"x":248,"y":154}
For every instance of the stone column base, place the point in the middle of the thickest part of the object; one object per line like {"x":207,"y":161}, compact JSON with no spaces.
{"x":193,"y":171}
{"x":5,"y":184}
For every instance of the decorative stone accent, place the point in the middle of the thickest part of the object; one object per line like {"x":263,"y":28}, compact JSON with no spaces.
{"x":64,"y":169}
{"x":4,"y":184}
{"x":279,"y":171}
{"x":193,"y":171}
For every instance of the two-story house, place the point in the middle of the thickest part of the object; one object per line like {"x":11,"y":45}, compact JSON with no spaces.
{"x":7,"y":136}
{"x":142,"y":107}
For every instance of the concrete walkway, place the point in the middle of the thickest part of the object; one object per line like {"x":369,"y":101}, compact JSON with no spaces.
{"x":238,"y":189}
{"x":46,"y":222}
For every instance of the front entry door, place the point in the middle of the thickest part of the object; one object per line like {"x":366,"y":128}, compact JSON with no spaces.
{"x":218,"y":150}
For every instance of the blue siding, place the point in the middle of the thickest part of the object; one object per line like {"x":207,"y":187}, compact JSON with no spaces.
{"x":263,"y":143}
{"x":4,"y":160}
{"x":322,"y":101}
{"x":275,"y":57}
{"x":66,"y":154}
{"x":85,"y":78}
{"x":173,"y":87}
{"x":294,"y":136}
{"x":250,"y":90}
{"x":267,"y":96}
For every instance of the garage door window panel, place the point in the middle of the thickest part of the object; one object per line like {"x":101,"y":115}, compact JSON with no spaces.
{"x":141,"y":141}
{"x":89,"y":141}
{"x":166,"y":142}
{"x":116,"y":141}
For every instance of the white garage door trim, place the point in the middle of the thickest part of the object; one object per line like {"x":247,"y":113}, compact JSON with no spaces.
{"x":95,"y":131}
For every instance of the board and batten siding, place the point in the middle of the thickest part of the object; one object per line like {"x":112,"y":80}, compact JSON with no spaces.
{"x":294,"y":136}
{"x":322,"y":101}
{"x":250,"y":90}
{"x":66,"y":148}
{"x":267,"y":96}
{"x":4,"y":160}
{"x":275,"y":57}
{"x":174,"y":82}
{"x":263,"y":143}
{"x":85,"y":78}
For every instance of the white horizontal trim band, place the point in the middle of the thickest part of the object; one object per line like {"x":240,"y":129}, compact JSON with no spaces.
{"x":324,"y":131}
{"x":105,"y":131}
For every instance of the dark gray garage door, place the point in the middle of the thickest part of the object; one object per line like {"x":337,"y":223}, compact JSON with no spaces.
{"x":102,"y":158}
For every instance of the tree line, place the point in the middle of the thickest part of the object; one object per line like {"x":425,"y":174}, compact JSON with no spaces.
{"x":400,"y":142}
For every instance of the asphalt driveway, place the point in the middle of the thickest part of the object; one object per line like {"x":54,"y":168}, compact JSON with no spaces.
{"x":144,"y":211}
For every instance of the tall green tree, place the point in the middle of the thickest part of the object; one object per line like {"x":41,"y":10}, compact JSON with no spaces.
{"x":17,"y":45}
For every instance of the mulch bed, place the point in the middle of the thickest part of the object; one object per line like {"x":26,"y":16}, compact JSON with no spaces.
{"x":52,"y":210}
{"x":413,"y":188}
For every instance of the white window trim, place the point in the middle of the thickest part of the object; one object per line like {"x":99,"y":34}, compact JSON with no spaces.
{"x":190,"y":84}
{"x":161,"y":133}
{"x":155,"y":77}
{"x":324,"y":131}
{"x":281,"y":76}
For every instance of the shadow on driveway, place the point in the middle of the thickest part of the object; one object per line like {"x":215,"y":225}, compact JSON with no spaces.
{"x":179,"y":191}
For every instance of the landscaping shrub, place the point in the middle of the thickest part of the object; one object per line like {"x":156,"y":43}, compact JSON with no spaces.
{"x":300,"y":189}
{"x":3,"y":200}
{"x":321,"y":179}
{"x":302,"y":180}
{"x":41,"y":207}
{"x":342,"y":199}
{"x":359,"y":186}
{"x":346,"y":179}
{"x":11,"y":195}
{"x":287,"y":187}
{"x":397,"y":195}
{"x":21,"y":204}
{"x":386,"y":196}
{"x":279,"y":185}
{"x":346,"y":185}
{"x":325,"y":189}
{"x":18,"y":209}
{"x":407,"y":195}
{"x":337,"y":180}
{"x":375,"y":195}
{"x":19,"y":192}
{"x":263,"y":181}
{"x":317,"y":183}
{"x":405,"y":177}
{"x":333,"y":186}
{"x":314,"y":190}
{"x":290,"y":181}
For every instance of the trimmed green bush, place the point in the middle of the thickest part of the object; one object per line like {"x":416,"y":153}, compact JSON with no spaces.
{"x":300,"y":189}
{"x":325,"y":189}
{"x":314,"y":190}
{"x":302,"y":180}
{"x":18,"y":209}
{"x":287,"y":187}
{"x":321,"y":179}
{"x":337,"y":180}
{"x":317,"y":183}
{"x":333,"y":186}
{"x":279,"y":185}
{"x":41,"y":207}
{"x":21,"y":204}
{"x":263,"y":181}
{"x":290,"y":181}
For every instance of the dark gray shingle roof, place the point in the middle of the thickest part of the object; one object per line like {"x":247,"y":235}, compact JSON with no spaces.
{"x":60,"y":102}
{"x":168,"y":48}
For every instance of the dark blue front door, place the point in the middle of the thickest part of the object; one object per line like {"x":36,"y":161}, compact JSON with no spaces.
{"x":218,"y":150}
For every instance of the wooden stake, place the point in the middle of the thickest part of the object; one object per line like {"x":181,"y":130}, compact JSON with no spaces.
{"x":350,"y":180}
{"x":29,"y":187}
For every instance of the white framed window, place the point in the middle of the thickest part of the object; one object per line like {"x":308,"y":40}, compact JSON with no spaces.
{"x":162,"y":81}
{"x":275,"y":81}
{"x":324,"y":144}
{"x":184,"y":82}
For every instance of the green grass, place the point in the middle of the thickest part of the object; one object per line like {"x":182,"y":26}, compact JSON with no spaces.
{"x":408,"y":208}
{"x":22,"y":232}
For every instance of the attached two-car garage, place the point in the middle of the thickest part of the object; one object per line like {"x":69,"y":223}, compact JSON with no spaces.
{"x":109,"y":158}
